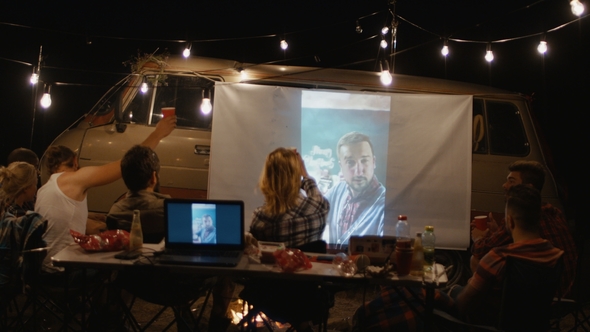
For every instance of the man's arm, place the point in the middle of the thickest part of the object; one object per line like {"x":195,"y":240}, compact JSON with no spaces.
{"x":484,"y":245}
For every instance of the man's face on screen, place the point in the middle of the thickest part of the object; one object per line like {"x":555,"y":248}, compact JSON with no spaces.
{"x":207,"y":223}
{"x":358,"y":165}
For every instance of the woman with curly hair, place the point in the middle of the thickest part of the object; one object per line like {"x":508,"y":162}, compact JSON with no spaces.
{"x":18,"y":185}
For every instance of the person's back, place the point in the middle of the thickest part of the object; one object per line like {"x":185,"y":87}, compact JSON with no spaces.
{"x":139,"y":168}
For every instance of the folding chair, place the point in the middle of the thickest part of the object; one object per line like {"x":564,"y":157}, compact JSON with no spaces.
{"x":527,"y":293}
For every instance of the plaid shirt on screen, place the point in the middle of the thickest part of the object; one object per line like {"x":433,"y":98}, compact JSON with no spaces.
{"x":553,"y":228}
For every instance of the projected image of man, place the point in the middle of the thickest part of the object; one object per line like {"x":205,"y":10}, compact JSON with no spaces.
{"x":207,"y":233}
{"x":357,"y":202}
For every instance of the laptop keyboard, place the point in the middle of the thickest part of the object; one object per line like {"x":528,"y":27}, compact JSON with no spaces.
{"x":206,"y":253}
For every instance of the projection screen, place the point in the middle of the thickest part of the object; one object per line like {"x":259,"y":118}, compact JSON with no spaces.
{"x":399,"y":154}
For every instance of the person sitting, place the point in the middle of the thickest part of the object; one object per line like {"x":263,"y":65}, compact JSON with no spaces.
{"x":19,"y":229}
{"x":140,"y":168}
{"x":28,"y":156}
{"x":288,"y":215}
{"x":553,"y":226}
{"x":523,"y":208}
{"x":294,"y":218}
{"x":62,"y":200}
{"x":523,"y":214}
{"x":19,"y":187}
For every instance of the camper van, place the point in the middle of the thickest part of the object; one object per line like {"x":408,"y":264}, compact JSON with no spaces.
{"x":502,"y":128}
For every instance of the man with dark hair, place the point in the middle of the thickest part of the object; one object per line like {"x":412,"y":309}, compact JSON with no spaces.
{"x":140,"y":168}
{"x":356,"y":203}
{"x":23,"y":154}
{"x":523,"y":212}
{"x":553,"y":226}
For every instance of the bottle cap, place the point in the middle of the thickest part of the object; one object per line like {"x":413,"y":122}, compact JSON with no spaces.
{"x":402,"y":217}
{"x":418,"y":234}
{"x":429,"y":228}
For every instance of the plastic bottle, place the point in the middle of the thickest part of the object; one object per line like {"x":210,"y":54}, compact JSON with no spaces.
{"x":136,"y":234}
{"x":428,"y":241}
{"x":402,"y":228}
{"x":418,"y":257}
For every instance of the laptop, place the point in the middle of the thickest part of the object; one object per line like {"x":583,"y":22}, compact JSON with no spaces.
{"x":203,"y":232}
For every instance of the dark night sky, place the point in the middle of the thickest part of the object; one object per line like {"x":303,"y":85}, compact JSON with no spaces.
{"x":321,"y":28}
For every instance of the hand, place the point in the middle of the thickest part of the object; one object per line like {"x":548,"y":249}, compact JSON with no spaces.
{"x":492,"y":223}
{"x":302,"y":166}
{"x":478,"y":234}
{"x":165,"y":126}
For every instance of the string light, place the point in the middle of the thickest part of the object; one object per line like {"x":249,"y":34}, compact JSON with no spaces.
{"x":284,"y":44}
{"x":144,"y":86}
{"x":384,"y":30}
{"x":489,"y":54}
{"x":206,"y":106}
{"x":358,"y":28}
{"x":187,"y":51}
{"x":46,"y":99}
{"x":243,"y":74}
{"x":34,"y":77}
{"x":383,"y":43}
{"x":577,"y":7}
{"x":542,"y":48}
{"x":386,"y":77}
{"x":445,"y":49}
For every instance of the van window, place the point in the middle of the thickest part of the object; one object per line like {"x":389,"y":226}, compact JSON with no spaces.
{"x":506,"y":132}
{"x":185,"y":93}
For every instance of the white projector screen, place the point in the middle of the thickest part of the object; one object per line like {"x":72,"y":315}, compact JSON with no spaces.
{"x":419,"y":151}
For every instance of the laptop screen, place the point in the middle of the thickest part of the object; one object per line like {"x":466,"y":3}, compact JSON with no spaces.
{"x":207,"y":224}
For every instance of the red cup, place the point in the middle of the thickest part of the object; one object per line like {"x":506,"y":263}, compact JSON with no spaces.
{"x":168,"y":111}
{"x":481,"y":222}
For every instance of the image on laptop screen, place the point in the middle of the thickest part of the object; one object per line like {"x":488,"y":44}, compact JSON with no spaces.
{"x":196,"y":223}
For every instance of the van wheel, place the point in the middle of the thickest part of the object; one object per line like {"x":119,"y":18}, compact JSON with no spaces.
{"x":460,"y":272}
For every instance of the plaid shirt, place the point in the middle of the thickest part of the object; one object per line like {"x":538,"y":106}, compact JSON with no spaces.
{"x":303,"y":224}
{"x":553,"y":228}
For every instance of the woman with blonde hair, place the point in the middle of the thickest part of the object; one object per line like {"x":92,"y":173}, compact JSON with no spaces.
{"x":294,"y":210}
{"x":18,"y":185}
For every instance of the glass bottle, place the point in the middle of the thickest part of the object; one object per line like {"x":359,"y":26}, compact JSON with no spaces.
{"x":418,"y":257}
{"x":136,"y":235}
{"x":402,"y":232}
{"x":428,"y":240}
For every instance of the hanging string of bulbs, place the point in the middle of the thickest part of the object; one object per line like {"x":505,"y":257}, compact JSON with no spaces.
{"x":386,"y":61}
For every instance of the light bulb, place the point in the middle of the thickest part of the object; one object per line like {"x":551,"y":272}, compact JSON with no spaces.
{"x":489,"y":56}
{"x":383,"y":43}
{"x":243,"y":75}
{"x":384,"y":30}
{"x":34,"y":78}
{"x":358,"y":28}
{"x":186,"y":53}
{"x":46,"y":100}
{"x":542,"y":48}
{"x":386,"y":77}
{"x":445,"y":50}
{"x":284,"y":44}
{"x":144,"y":87}
{"x":206,"y":106}
{"x":577,"y":7}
